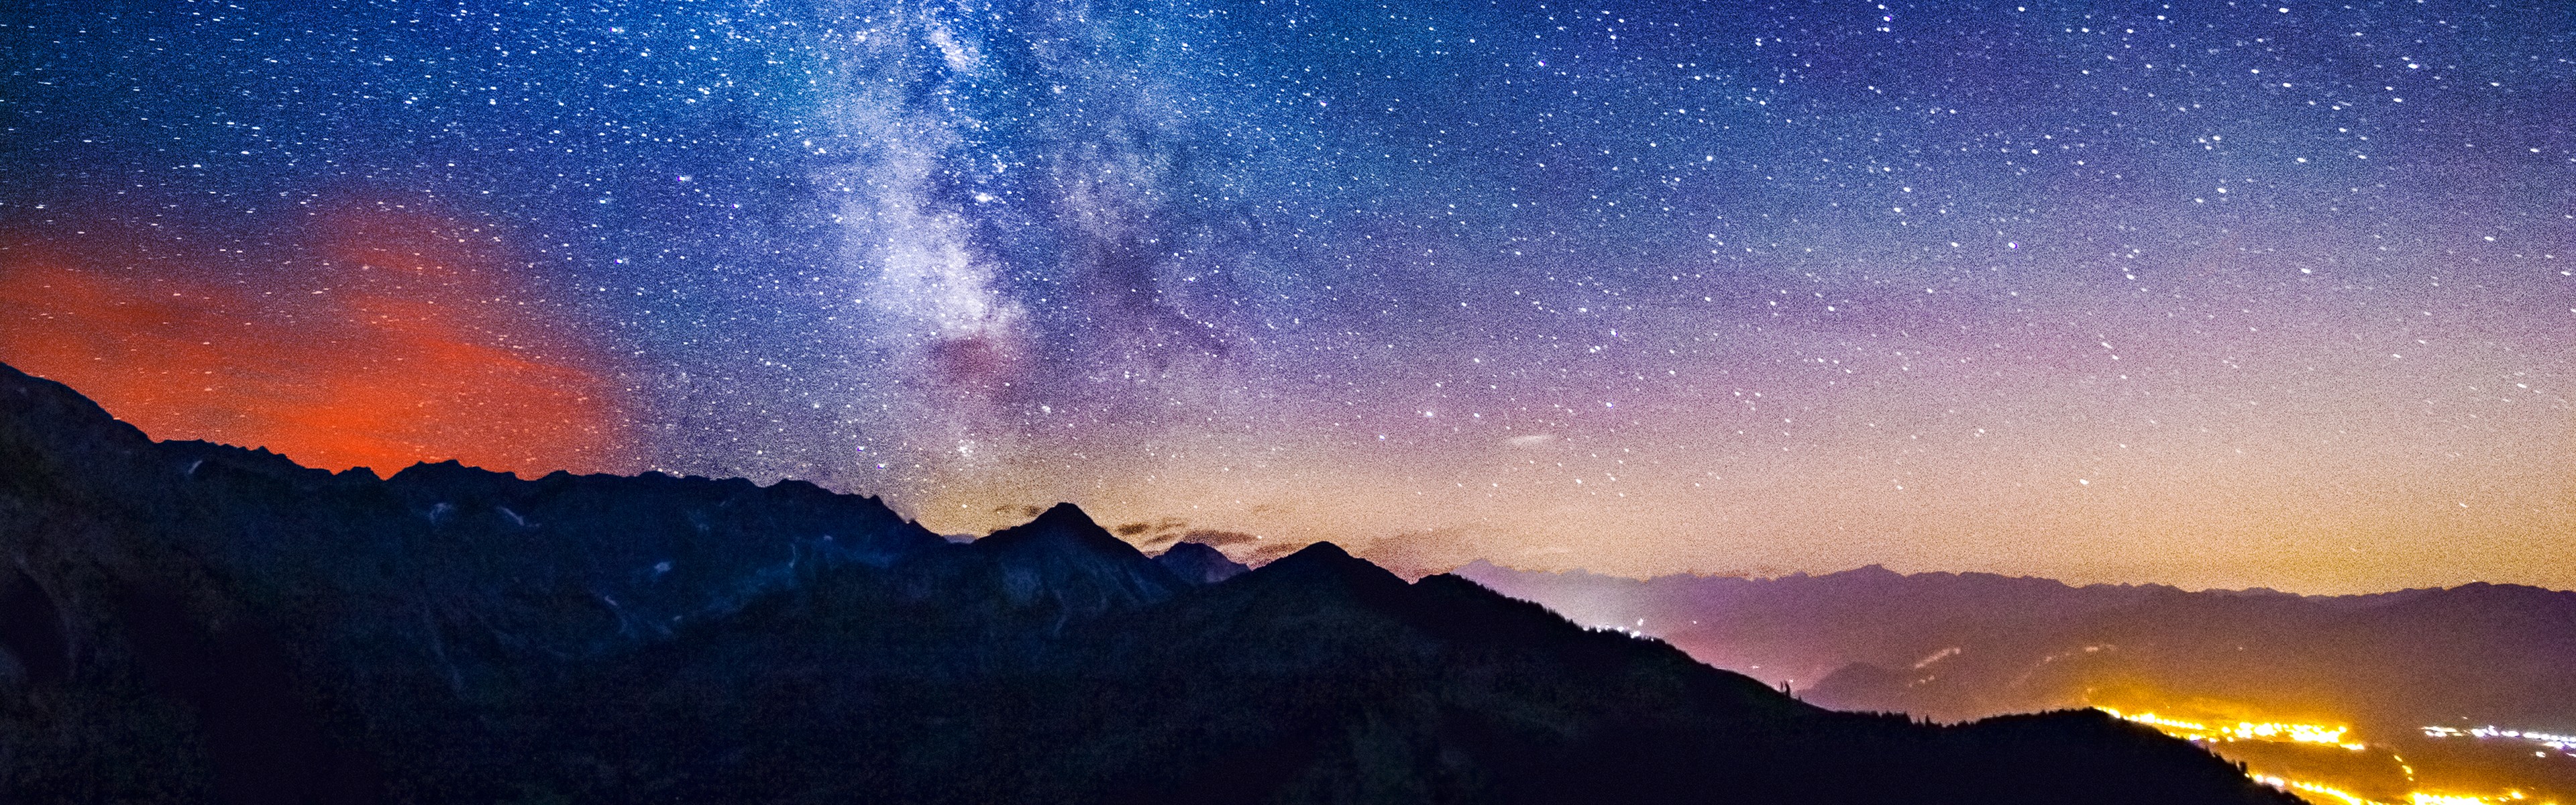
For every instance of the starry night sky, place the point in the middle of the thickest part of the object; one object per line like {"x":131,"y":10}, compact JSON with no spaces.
{"x":2203,"y":293}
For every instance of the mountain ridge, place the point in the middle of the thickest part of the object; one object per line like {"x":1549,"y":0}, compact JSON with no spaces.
{"x":230,"y":627}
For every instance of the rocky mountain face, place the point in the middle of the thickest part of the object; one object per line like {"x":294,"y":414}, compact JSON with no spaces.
{"x":186,"y":622}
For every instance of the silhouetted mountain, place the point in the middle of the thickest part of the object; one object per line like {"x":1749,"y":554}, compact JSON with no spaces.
{"x":1199,"y":564}
{"x":191,"y":622}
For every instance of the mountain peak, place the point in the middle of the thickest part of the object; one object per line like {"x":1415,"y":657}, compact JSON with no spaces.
{"x":1064,"y":555}
{"x":45,"y":417}
{"x":1871,"y":572}
{"x":1327,"y":563}
{"x":1063,"y":522}
{"x":1064,"y":515}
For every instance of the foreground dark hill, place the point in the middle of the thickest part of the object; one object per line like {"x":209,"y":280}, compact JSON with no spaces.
{"x":183,"y":622}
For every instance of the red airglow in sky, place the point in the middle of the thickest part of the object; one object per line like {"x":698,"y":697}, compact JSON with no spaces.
{"x":410,"y":341}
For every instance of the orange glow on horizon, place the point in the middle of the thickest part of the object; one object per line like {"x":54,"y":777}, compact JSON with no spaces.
{"x":411,"y":342}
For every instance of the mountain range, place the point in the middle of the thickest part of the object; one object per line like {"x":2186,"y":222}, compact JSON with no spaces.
{"x":2406,"y":672}
{"x":1957,"y":646}
{"x":190,"y":622}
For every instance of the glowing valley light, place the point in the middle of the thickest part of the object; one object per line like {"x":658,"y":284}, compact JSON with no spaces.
{"x":2337,"y":794}
{"x":2286,"y":731}
{"x":2320,"y":734}
{"x":2421,"y":798}
{"x":2562,"y":743}
{"x":2300,"y":733}
{"x":2153,"y":720}
{"x":2414,"y":798}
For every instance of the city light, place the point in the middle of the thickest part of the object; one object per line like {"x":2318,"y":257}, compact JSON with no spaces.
{"x":2243,"y":730}
{"x":2421,"y":798}
{"x":2338,"y":794}
{"x":2562,"y":743}
{"x":2320,"y":734}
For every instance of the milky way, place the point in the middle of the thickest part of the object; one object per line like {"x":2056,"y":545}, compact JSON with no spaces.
{"x":2207,"y":293}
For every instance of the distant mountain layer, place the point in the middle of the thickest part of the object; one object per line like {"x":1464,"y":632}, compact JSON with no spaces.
{"x":185,"y":622}
{"x":1961,"y":646}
